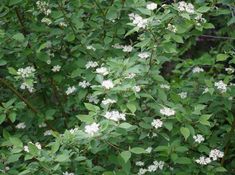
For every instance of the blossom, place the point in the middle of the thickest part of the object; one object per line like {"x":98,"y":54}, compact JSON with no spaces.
{"x":47,"y":133}
{"x":108,"y":101}
{"x":167,"y":111}
{"x":229,"y":70}
{"x":102,"y":70}
{"x":139,"y":163}
{"x":93,"y":99}
{"x":215,"y":154}
{"x":73,"y":131}
{"x":21,"y":125}
{"x":159,"y":164}
{"x":42,"y":125}
{"x":144,"y":55}
{"x":172,"y":28}
{"x":26,"y":72}
{"x":70,"y":90}
{"x":84,"y":84}
{"x":198,"y":138}
{"x":115,"y":116}
{"x":26,"y":149}
{"x":197,"y":70}
{"x":152,"y":168}
{"x":157,"y":123}
{"x":91,"y":64}
{"x":107,"y":84}
{"x":130,"y":76}
{"x":63,"y":24}
{"x":203,"y":160}
{"x":43,"y":7}
{"x":136,"y":88}
{"x":56,"y":68}
{"x":205,"y":90}
{"x":183,"y":95}
{"x":67,"y":173}
{"x":138,"y":21}
{"x":221,"y":86}
{"x":165,"y":86}
{"x":46,"y":20}
{"x":38,"y":145}
{"x":91,"y":48}
{"x":142,"y":171}
{"x":151,"y":6}
{"x":188,"y":7}
{"x":92,"y":129}
{"x":149,"y":149}
{"x":127,"y":48}
{"x":26,"y":85}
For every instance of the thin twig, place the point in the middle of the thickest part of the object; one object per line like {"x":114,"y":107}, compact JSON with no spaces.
{"x":217,"y":37}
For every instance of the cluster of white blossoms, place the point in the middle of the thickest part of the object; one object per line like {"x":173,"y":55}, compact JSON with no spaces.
{"x":21,"y":125}
{"x":56,"y":68}
{"x":138,"y":21}
{"x":26,"y":85}
{"x":37,"y":144}
{"x":139,"y":163}
{"x":221,"y":86}
{"x":172,"y":28}
{"x":214,"y":155}
{"x":157,"y":123}
{"x":199,"y":19}
{"x":152,"y":168}
{"x":151,"y":6}
{"x":188,"y":7}
{"x":149,"y":149}
{"x":115,"y":116}
{"x":130,"y":76}
{"x":107,"y":84}
{"x":136,"y":88}
{"x":183,"y":95}
{"x":42,"y":125}
{"x":93,"y":99}
{"x":127,"y":48}
{"x":91,"y":64}
{"x":43,"y":7}
{"x":165,"y":86}
{"x":199,"y":138}
{"x":92,"y":129}
{"x":70,"y":90}
{"x":197,"y":70}
{"x":144,"y":55}
{"x":167,"y":111}
{"x":63,"y":24}
{"x":46,"y":21}
{"x":91,"y":48}
{"x":102,"y":70}
{"x":108,"y":101}
{"x":84,"y":84}
{"x":67,"y":173}
{"x":26,"y":72}
{"x":73,"y":131}
{"x":230,"y":70}
{"x":205,"y":90}
{"x":47,"y":133}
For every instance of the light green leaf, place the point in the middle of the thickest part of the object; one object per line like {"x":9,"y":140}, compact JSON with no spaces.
{"x":185,"y":132}
{"x":126,"y":155}
{"x":18,"y":37}
{"x":138,"y":150}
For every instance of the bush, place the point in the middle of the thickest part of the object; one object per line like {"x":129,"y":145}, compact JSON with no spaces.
{"x":117,"y":87}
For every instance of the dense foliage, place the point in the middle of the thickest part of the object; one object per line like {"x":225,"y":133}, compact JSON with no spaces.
{"x":117,"y":87}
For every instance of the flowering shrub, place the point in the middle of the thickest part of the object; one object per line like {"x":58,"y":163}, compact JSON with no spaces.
{"x":117,"y":87}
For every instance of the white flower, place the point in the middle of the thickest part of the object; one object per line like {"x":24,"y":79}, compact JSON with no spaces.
{"x":38,"y":145}
{"x":144,"y":55}
{"x":46,"y":20}
{"x":43,"y":7}
{"x":198,"y":138}
{"x":165,"y":86}
{"x":67,"y":173}
{"x":56,"y":68}
{"x":91,"y":48}
{"x":127,"y":48}
{"x":157,"y":123}
{"x":21,"y":125}
{"x":203,"y":160}
{"x":142,"y":171}
{"x":115,"y":116}
{"x":42,"y":125}
{"x":151,"y":6}
{"x":215,"y":154}
{"x":197,"y":70}
{"x":183,"y":6}
{"x":159,"y":164}
{"x":92,"y":129}
{"x":149,"y":149}
{"x":152,"y":168}
{"x":229,"y":70}
{"x":167,"y":111}
{"x":107,"y":84}
{"x":108,"y":101}
{"x":117,"y":46}
{"x":136,"y":88}
{"x":70,"y":90}
{"x":47,"y":133}
{"x":221,"y":86}
{"x":130,"y":76}
{"x":172,"y":28}
{"x":73,"y":131}
{"x":91,"y":64}
{"x":183,"y":95}
{"x":84,"y":84}
{"x":49,"y":61}
{"x":26,"y":72}
{"x":63,"y":24}
{"x":25,"y":85}
{"x":93,"y":99}
{"x":102,"y":70}
{"x":138,"y":21}
{"x":139,"y":163}
{"x":26,"y":149}
{"x":205,"y":90}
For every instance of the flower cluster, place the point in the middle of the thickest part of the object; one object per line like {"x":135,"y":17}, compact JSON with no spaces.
{"x":115,"y":116}
{"x":84,"y":84}
{"x":214,"y":154}
{"x":138,"y":21}
{"x":91,"y":64}
{"x":43,"y":7}
{"x":152,"y":168}
{"x":70,"y":90}
{"x":165,"y":86}
{"x":157,"y":123}
{"x":107,"y":84}
{"x":93,"y":99}
{"x":197,"y":70}
{"x":92,"y":129}
{"x":167,"y":111}
{"x":102,"y":70}
{"x":108,"y":101}
{"x":21,"y":125}
{"x":67,"y":173}
{"x":144,"y":55}
{"x":183,"y":95}
{"x":188,"y":7}
{"x":171,"y":28}
{"x":136,"y":88}
{"x":26,"y":72}
{"x":221,"y":86}
{"x":198,"y":138}
{"x":151,"y":6}
{"x":56,"y":68}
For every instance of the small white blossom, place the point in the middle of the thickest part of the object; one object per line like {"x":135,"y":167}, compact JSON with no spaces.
{"x":42,"y":125}
{"x":165,"y":86}
{"x":92,"y":129}
{"x":63,"y":24}
{"x":93,"y":99}
{"x":229,"y":70}
{"x":91,"y":64}
{"x":221,"y":86}
{"x":43,"y":7}
{"x":127,"y":48}
{"x":205,"y":90}
{"x":56,"y":68}
{"x":144,"y":55}
{"x":107,"y":84}
{"x":188,"y":7}
{"x":151,"y":6}
{"x":47,"y":133}
{"x":70,"y":90}
{"x":197,"y":70}
{"x":138,"y":21}
{"x":73,"y":131}
{"x":115,"y":116}
{"x":84,"y":84}
{"x":130,"y":76}
{"x":117,"y":46}
{"x":203,"y":160}
{"x":136,"y":88}
{"x":26,"y":72}
{"x":46,"y":20}
{"x":108,"y":101}
{"x":167,"y":111}
{"x":149,"y":149}
{"x":198,"y":138}
{"x":102,"y":70}
{"x":172,"y":28}
{"x":139,"y":163}
{"x":21,"y":125}
{"x":38,"y":145}
{"x":91,"y":48}
{"x":183,"y":95}
{"x":67,"y":173}
{"x":142,"y":171}
{"x":26,"y":149}
{"x":152,"y":168}
{"x":159,"y":164}
{"x":215,"y":154}
{"x":157,"y":123}
{"x":26,"y":85}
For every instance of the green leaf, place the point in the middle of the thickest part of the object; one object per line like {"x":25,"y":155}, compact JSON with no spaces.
{"x":221,"y":57}
{"x":204,"y":119}
{"x":91,"y":107}
{"x":131,"y":107}
{"x":18,"y":37}
{"x":183,"y":160}
{"x":12,"y":117}
{"x":85,"y":118}
{"x":126,"y":155}
{"x":203,"y":9}
{"x":138,"y":150}
{"x":177,"y":38}
{"x":125,"y":125}
{"x":185,"y":132}
{"x":33,"y":149}
{"x":13,"y":2}
{"x":62,"y":158}
{"x":2,"y":62}
{"x":2,"y":118}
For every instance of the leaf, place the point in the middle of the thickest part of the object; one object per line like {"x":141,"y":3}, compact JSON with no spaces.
{"x":2,"y":118}
{"x":62,"y":158}
{"x":177,"y":38}
{"x":131,"y":107}
{"x":204,"y":119}
{"x":18,"y":37}
{"x":221,"y":57}
{"x":138,"y":150}
{"x":183,"y":160}
{"x":185,"y":132}
{"x":91,"y":107}
{"x":2,"y":62}
{"x":126,"y":155}
{"x":33,"y":149}
{"x":13,"y":2}
{"x":85,"y":118}
{"x":12,"y":117}
{"x":203,"y":9}
{"x":125,"y":125}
